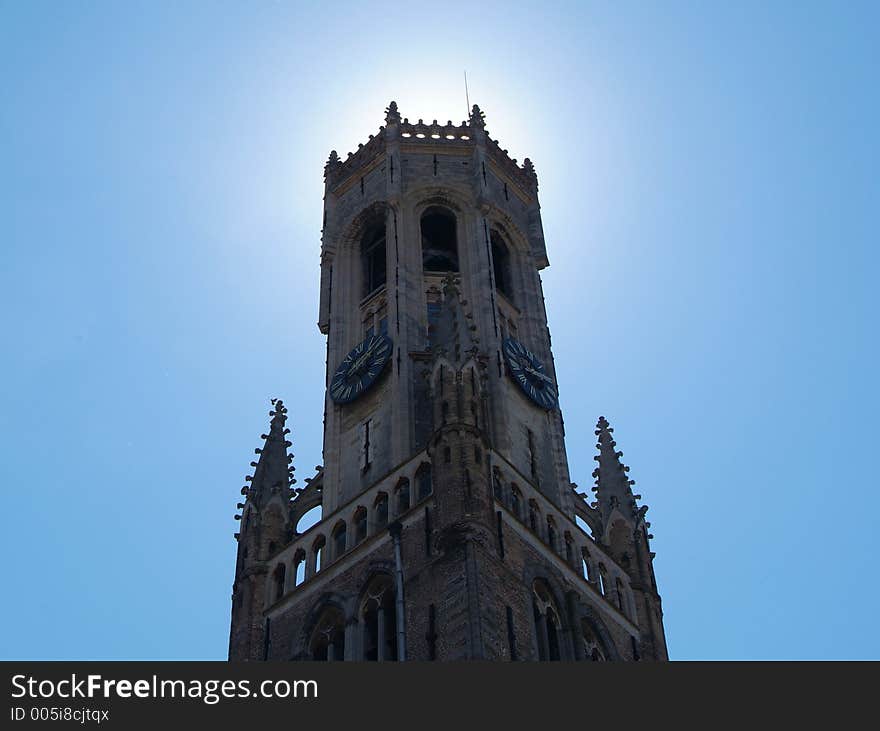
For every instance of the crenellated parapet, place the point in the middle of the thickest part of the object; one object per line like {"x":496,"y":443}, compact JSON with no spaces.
{"x":466,"y":135}
{"x":523,"y":176}
{"x":336,"y":170}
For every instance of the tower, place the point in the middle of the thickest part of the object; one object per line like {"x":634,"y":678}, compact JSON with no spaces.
{"x":450,"y":527}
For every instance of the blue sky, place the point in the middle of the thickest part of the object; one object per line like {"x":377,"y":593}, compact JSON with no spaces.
{"x":709,"y":189}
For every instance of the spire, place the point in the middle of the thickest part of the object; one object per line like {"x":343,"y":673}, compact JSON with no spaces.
{"x":613,"y":487}
{"x":273,"y":473}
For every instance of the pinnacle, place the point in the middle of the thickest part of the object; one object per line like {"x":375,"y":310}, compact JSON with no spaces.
{"x":392,"y":116}
{"x":477,"y":118}
{"x":613,"y":488}
{"x":332,"y":163}
{"x":273,"y":472}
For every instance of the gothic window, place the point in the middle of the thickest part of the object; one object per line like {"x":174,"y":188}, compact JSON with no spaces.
{"x":582,"y":524}
{"x":379,"y":621}
{"x":373,"y":258}
{"x":534,"y":514}
{"x":402,"y":495}
{"x":603,"y":589}
{"x":278,"y":581}
{"x":516,"y":501}
{"x":548,"y":627}
{"x":299,"y":567}
{"x":328,"y":638}
{"x":497,"y":489}
{"x":439,"y":244}
{"x":551,"y":532}
{"x":339,"y":535}
{"x":592,"y":647}
{"x":318,"y":552}
{"x":618,"y":590}
{"x":360,"y":524}
{"x":381,"y":510}
{"x":569,"y":549}
{"x":423,"y":480}
{"x":585,"y":563}
{"x":308,"y":519}
{"x":501,"y":265}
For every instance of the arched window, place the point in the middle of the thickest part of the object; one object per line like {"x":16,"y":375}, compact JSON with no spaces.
{"x":592,"y":647}
{"x":439,"y":243}
{"x":360,"y":524}
{"x":328,"y":638}
{"x":497,"y":488}
{"x":299,"y":567}
{"x":582,"y":524}
{"x":278,"y":580}
{"x":516,"y":501}
{"x":603,"y":589}
{"x":551,"y":532}
{"x":533,"y":516}
{"x":381,"y":510}
{"x":585,"y":563}
{"x":501,"y":265}
{"x":378,"y":620}
{"x":423,"y":480}
{"x":339,"y":535}
{"x":318,"y":552}
{"x":548,"y":627}
{"x":308,"y":519}
{"x":373,"y":258}
{"x":618,"y":590}
{"x":402,"y":494}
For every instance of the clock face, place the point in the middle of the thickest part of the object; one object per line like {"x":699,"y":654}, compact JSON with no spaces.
{"x":529,"y":373}
{"x":360,"y":368}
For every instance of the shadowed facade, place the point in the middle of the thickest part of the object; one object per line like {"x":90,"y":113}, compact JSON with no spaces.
{"x":450,"y":527}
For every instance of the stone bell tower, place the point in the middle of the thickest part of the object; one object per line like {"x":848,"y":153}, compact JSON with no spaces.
{"x":450,"y":527}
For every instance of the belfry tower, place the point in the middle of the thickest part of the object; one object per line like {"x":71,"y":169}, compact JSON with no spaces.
{"x":450,"y":527}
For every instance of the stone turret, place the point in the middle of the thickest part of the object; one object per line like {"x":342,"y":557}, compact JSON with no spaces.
{"x":265,"y":529}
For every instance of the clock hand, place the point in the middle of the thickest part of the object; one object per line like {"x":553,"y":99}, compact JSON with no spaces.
{"x":538,"y":374}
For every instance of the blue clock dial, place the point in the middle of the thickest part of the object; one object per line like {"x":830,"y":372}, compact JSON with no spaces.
{"x":360,"y":368}
{"x":528,"y":372}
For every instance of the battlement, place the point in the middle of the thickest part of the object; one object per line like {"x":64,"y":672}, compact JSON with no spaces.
{"x":469,"y":134}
